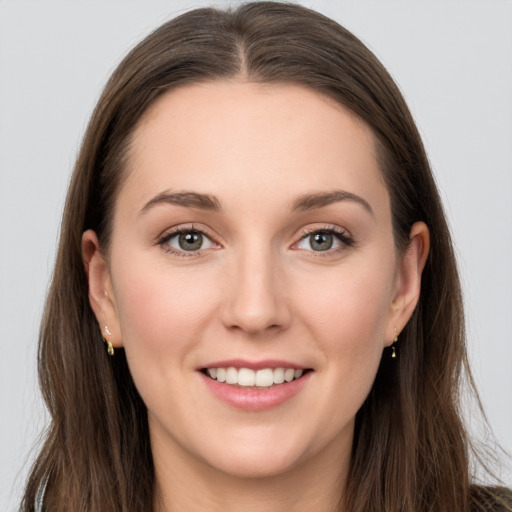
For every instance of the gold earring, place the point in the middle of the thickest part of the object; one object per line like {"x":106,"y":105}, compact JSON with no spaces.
{"x":110,"y":347}
{"x":393,"y":354}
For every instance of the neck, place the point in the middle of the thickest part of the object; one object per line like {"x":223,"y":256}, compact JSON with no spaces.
{"x":195,"y":486}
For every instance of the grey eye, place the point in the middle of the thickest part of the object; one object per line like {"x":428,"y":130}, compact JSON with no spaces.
{"x":318,"y":241}
{"x":324,"y":240}
{"x":189,"y":241}
{"x":321,"y":241}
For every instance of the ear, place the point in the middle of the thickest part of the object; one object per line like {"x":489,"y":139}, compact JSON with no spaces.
{"x":101,"y":292}
{"x":408,"y":282}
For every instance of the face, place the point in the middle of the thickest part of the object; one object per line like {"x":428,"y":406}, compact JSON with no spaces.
{"x":252,"y":277}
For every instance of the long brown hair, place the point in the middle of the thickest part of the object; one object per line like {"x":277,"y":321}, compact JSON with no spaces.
{"x":410,"y":450}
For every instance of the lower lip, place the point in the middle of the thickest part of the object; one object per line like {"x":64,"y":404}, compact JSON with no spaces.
{"x":253,"y":399}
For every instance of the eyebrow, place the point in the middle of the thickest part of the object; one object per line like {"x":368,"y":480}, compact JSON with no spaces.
{"x":187,"y":199}
{"x":211,"y":203}
{"x":321,"y":199}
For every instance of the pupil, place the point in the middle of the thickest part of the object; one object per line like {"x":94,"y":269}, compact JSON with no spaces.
{"x":190,"y":241}
{"x":321,"y":241}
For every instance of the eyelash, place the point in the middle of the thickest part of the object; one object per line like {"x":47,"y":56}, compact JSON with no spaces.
{"x":340,"y":234}
{"x":163,"y":240}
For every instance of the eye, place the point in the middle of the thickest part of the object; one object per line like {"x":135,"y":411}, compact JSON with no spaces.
{"x":324,"y":240}
{"x":320,"y":241}
{"x":186,"y":240}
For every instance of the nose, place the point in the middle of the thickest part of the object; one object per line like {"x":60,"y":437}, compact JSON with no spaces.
{"x":256,"y":298}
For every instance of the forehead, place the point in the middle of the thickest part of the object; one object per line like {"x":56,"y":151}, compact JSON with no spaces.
{"x":237,"y":140}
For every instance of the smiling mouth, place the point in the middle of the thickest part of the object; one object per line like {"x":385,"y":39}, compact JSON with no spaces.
{"x":259,"y":379}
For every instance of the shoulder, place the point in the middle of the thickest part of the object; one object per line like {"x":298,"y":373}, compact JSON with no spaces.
{"x":491,"y":499}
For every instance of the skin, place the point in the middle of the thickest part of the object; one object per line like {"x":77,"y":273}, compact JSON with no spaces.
{"x":257,"y":291}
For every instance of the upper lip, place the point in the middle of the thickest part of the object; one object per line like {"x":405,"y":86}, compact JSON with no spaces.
{"x":254,"y":365}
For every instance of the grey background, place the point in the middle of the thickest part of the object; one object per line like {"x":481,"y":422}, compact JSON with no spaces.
{"x":453,"y":61}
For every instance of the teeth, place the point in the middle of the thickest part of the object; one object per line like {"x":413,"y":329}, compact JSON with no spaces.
{"x":231,"y":376}
{"x":278,"y":375}
{"x":289,"y":373}
{"x":221,"y":374}
{"x":249,"y":378}
{"x":246,"y":377}
{"x":264,"y":378}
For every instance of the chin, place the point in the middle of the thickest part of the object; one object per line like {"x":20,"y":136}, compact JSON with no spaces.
{"x":254,"y":468}
{"x":258,"y":459}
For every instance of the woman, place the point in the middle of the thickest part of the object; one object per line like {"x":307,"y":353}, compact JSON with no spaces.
{"x":253,"y":230}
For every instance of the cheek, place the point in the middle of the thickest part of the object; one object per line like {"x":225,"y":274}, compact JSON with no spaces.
{"x":350,"y":302}
{"x":163,"y":314}
{"x":348,"y":316}
{"x":354,"y":312}
{"x":161,"y":310}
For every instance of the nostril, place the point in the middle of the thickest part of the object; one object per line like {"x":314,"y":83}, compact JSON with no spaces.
{"x":255,"y":304}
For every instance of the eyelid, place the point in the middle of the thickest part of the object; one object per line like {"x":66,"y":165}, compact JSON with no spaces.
{"x":343,"y":236}
{"x":169,"y":234}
